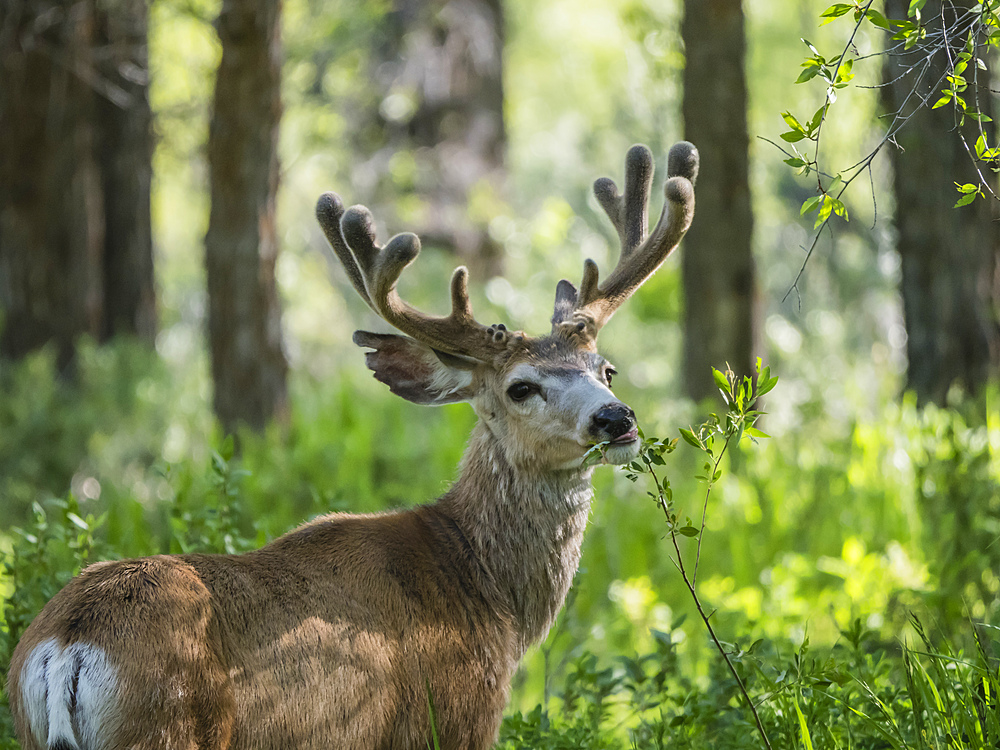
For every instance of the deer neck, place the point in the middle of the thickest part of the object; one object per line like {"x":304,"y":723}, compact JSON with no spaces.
{"x":526,"y":528}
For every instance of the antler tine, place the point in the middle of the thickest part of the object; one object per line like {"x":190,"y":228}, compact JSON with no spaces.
{"x":640,"y":255}
{"x":374,"y":272}
{"x":629,"y":212}
{"x":329,"y":211}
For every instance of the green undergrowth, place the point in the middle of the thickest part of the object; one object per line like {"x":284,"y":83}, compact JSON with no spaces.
{"x":861,"y":692}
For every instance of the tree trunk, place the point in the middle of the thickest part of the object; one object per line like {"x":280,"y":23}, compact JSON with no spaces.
{"x":717,"y":265}
{"x":948,"y":255}
{"x":438,"y":73}
{"x":248,"y":364}
{"x":51,"y":204}
{"x":125,"y":127}
{"x":75,"y":128}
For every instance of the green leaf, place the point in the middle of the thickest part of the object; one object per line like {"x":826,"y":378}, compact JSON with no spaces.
{"x":817,"y":118}
{"x":78,"y":522}
{"x":825,"y":209}
{"x":965,"y":200}
{"x":837,"y":10}
{"x":754,"y":432}
{"x":722,"y":382}
{"x":912,"y":37}
{"x":980,"y":145}
{"x":808,"y":74}
{"x":688,"y":531}
{"x":689,"y":437}
{"x":795,"y":162}
{"x":792,"y":136}
{"x":834,"y":12}
{"x":877,"y":19}
{"x":803,"y":727}
{"x":793,"y":123}
{"x":218,"y":464}
{"x":766,"y":386}
{"x":810,"y":205}
{"x":844,"y":75}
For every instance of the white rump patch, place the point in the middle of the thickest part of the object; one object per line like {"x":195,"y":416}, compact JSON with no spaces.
{"x":63,"y":684}
{"x":34,"y":687}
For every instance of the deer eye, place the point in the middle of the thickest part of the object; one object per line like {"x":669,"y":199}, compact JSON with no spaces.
{"x":609,"y":373}
{"x":521,"y":390}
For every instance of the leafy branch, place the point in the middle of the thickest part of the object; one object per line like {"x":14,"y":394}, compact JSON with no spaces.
{"x":713,"y":438}
{"x":958,"y":86}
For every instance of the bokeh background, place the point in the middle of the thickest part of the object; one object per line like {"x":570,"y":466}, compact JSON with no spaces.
{"x":129,"y":353}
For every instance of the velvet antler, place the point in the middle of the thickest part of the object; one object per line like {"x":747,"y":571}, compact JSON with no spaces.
{"x":374,"y":271}
{"x":584,"y":313}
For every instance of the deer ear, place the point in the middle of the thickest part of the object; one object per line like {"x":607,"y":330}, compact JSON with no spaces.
{"x":415,"y":371}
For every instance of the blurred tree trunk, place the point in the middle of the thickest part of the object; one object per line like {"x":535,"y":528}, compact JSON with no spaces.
{"x":439,"y":130}
{"x":76,"y":144}
{"x":248,"y":364}
{"x":125,"y":129}
{"x":949,"y":256}
{"x":720,"y":289}
{"x":51,"y":206}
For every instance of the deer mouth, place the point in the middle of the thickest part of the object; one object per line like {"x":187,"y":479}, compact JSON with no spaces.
{"x":629,"y":437}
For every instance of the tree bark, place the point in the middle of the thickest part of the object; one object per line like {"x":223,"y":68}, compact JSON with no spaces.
{"x":949,"y":256}
{"x":125,"y":129}
{"x":51,"y":204}
{"x":717,"y":264}
{"x":248,"y":364}
{"x":75,"y":128}
{"x":439,"y":76}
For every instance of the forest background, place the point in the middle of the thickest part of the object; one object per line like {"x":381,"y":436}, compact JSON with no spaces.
{"x":154,"y":300}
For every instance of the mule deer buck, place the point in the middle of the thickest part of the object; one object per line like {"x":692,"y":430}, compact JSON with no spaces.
{"x":341,"y":633}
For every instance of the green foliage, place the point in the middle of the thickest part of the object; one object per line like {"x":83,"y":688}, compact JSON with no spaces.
{"x":861,"y":692}
{"x":965,"y":41}
{"x":200,"y":523}
{"x":54,"y":434}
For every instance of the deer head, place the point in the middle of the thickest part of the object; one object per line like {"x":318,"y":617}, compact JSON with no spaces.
{"x":546,"y":399}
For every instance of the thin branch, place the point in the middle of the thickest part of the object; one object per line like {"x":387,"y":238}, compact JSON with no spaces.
{"x":871,"y":179}
{"x":704,"y":510}
{"x":833,"y":78}
{"x":964,"y":22}
{"x":705,"y":618}
{"x":890,"y":135}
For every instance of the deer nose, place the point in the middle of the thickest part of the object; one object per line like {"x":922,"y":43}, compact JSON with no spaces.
{"x":613,"y":420}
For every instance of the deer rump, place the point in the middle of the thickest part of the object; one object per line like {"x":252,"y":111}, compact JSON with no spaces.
{"x":405,"y":625}
{"x":384,"y":630}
